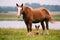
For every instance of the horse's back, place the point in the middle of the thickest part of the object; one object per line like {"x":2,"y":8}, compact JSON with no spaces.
{"x":41,"y":13}
{"x":37,"y":14}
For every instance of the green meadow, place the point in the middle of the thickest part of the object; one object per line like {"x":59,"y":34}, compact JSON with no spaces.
{"x":21,"y":34}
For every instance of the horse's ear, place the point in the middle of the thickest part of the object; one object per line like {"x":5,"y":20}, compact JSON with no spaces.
{"x":17,"y":5}
{"x":38,"y":26}
{"x":22,"y":5}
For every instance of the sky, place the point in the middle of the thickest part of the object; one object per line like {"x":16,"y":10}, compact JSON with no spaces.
{"x":42,"y":2}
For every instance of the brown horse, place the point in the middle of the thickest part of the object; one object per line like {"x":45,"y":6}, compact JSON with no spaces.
{"x":36,"y":15}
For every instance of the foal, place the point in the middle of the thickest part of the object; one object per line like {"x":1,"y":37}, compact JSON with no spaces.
{"x":36,"y":30}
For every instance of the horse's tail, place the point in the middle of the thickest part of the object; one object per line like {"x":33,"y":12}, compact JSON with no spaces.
{"x":50,"y":17}
{"x":53,"y":21}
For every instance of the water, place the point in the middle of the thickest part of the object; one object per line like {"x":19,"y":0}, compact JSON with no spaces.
{"x":21,"y":24}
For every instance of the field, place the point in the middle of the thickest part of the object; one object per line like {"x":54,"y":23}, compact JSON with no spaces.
{"x":21,"y":34}
{"x":13,"y":16}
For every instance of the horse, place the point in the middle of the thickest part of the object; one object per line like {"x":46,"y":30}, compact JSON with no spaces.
{"x":37,"y":29}
{"x":34,"y":15}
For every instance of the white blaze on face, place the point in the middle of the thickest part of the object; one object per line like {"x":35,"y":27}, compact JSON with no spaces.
{"x":18,"y":11}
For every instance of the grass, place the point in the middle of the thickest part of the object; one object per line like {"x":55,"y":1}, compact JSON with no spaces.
{"x":56,"y":17}
{"x":10,"y":18}
{"x":21,"y":34}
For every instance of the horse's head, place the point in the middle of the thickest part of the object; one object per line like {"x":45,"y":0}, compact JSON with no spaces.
{"x":20,"y":9}
{"x":37,"y":27}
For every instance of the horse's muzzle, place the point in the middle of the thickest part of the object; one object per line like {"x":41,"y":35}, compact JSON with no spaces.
{"x":37,"y":33}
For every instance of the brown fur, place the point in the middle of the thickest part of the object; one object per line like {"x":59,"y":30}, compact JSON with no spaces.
{"x":31,"y":15}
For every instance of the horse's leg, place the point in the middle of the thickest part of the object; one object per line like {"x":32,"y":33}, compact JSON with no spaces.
{"x":30,"y":27}
{"x":47,"y":28}
{"x":43,"y":27}
{"x":27,"y":26}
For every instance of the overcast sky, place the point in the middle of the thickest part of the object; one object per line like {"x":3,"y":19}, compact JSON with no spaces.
{"x":42,"y":2}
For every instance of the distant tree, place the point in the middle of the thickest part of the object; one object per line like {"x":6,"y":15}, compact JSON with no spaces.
{"x":33,"y":5}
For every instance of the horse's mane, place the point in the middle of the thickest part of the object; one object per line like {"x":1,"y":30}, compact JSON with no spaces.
{"x":27,"y":8}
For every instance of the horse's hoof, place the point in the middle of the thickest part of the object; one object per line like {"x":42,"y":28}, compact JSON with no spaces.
{"x":29,"y":33}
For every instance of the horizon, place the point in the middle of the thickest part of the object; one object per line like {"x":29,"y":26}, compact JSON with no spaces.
{"x":41,"y":2}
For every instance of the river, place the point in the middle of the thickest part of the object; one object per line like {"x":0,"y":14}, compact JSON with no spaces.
{"x":21,"y":24}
